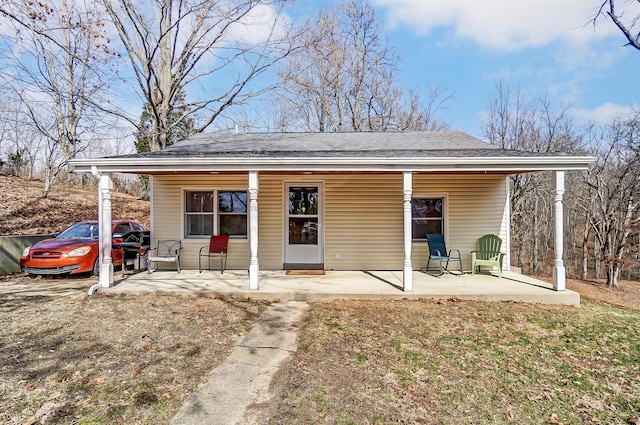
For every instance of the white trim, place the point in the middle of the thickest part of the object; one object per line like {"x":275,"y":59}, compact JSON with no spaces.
{"x":215,"y":191}
{"x":252,"y":211}
{"x":105,"y":237}
{"x":445,"y":218}
{"x":286,"y":184}
{"x":507,"y":208}
{"x":138,"y":165}
{"x":559,"y":272}
{"x":407,"y":234}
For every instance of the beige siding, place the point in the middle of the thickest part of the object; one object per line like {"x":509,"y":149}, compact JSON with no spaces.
{"x":476,"y":205}
{"x":167,"y":214}
{"x":363,"y":216}
{"x":363,"y":222}
{"x":270,"y":210}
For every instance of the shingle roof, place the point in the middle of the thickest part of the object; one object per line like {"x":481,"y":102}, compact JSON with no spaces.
{"x":331,"y":145}
{"x":427,"y":151}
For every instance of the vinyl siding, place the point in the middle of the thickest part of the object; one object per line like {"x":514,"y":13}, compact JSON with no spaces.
{"x":168,"y":219}
{"x":363,"y":216}
{"x":476,"y":206}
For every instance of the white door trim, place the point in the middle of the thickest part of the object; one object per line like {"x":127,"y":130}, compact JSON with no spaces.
{"x":303,"y":253}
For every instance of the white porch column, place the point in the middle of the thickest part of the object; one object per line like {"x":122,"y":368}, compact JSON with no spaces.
{"x":559,"y":273}
{"x":407,"y":271}
{"x":104,"y":219}
{"x":253,"y":231}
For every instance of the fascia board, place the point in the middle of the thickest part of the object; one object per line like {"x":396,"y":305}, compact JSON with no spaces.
{"x":194,"y":164}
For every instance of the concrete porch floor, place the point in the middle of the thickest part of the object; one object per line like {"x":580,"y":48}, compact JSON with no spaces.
{"x":336,"y":285}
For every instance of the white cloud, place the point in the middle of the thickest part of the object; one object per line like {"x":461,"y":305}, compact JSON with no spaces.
{"x":601,"y":114}
{"x":258,"y":25}
{"x":501,"y":24}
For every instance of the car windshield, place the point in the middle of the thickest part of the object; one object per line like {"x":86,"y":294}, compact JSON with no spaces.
{"x":80,"y":230}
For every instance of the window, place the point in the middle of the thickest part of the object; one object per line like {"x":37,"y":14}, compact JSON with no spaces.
{"x":228,"y":215}
{"x":427,"y":216}
{"x":232,"y":213}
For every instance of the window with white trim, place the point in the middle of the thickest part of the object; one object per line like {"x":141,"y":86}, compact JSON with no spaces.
{"x":427,"y":216}
{"x":219,"y":212}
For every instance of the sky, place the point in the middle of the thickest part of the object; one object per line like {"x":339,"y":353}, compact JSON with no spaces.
{"x":545,"y":48}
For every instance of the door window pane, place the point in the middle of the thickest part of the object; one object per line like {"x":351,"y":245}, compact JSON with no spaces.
{"x":303,"y":201}
{"x":303,"y":231}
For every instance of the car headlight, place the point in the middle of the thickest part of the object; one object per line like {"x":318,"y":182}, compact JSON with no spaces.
{"x":25,"y":253}
{"x":79,"y":252}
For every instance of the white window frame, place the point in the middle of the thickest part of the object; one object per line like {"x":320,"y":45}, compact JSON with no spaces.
{"x":216,"y":212}
{"x":445,"y":215}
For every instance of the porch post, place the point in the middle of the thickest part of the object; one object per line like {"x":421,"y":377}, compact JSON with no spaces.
{"x":559,"y":273}
{"x":104,"y":224}
{"x":253,"y":231}
{"x":407,"y":271}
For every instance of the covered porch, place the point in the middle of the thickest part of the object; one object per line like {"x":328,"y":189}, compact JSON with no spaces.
{"x":353,"y":285}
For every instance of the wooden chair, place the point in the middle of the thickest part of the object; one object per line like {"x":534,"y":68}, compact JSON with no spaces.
{"x":166,"y":251}
{"x":218,"y":245}
{"x":489,"y":254}
{"x":438,"y":251}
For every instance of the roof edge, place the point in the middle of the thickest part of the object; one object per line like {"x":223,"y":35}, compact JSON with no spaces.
{"x":515,"y":164}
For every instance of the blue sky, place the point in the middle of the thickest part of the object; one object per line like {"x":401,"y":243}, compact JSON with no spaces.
{"x":543,"y":47}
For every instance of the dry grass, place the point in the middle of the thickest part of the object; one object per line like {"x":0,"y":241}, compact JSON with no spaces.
{"x":23,"y":210}
{"x":410,"y":362}
{"x":111,"y":360}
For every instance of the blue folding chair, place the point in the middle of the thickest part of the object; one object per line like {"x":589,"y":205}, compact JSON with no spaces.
{"x":438,"y":251}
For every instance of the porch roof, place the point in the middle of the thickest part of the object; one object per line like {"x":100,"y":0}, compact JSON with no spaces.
{"x":439,"y":151}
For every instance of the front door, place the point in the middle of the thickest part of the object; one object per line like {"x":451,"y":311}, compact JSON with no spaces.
{"x":303,"y":239}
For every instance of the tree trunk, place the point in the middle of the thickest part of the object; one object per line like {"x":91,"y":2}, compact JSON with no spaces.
{"x":585,"y":253}
{"x":613,"y":271}
{"x":597,"y":257}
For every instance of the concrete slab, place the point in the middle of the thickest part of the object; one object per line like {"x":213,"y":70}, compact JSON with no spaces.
{"x":244,"y":378}
{"x":364,"y":285}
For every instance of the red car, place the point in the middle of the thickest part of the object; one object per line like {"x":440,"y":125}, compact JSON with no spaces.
{"x":74,"y":250}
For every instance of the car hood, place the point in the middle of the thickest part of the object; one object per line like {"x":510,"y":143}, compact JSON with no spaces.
{"x":63,"y":244}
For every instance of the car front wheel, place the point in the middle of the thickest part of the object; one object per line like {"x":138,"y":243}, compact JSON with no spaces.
{"x":96,"y":267}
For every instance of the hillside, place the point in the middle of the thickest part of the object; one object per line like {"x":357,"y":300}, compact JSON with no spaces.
{"x":23,"y":210}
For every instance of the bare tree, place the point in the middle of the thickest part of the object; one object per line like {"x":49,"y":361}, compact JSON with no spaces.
{"x":215,"y":52}
{"x":19,"y":144}
{"x":614,"y":193}
{"x":344,"y":78}
{"x":514,"y":122}
{"x":55,"y":73}
{"x":629,"y":25}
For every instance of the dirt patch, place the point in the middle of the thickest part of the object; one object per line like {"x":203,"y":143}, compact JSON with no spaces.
{"x":23,"y":210}
{"x":627,"y":295}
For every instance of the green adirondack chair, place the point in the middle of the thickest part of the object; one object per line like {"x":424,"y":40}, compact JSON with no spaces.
{"x":489,"y":254}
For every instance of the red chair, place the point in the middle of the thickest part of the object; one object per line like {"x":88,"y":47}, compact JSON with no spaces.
{"x":217,"y":248}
